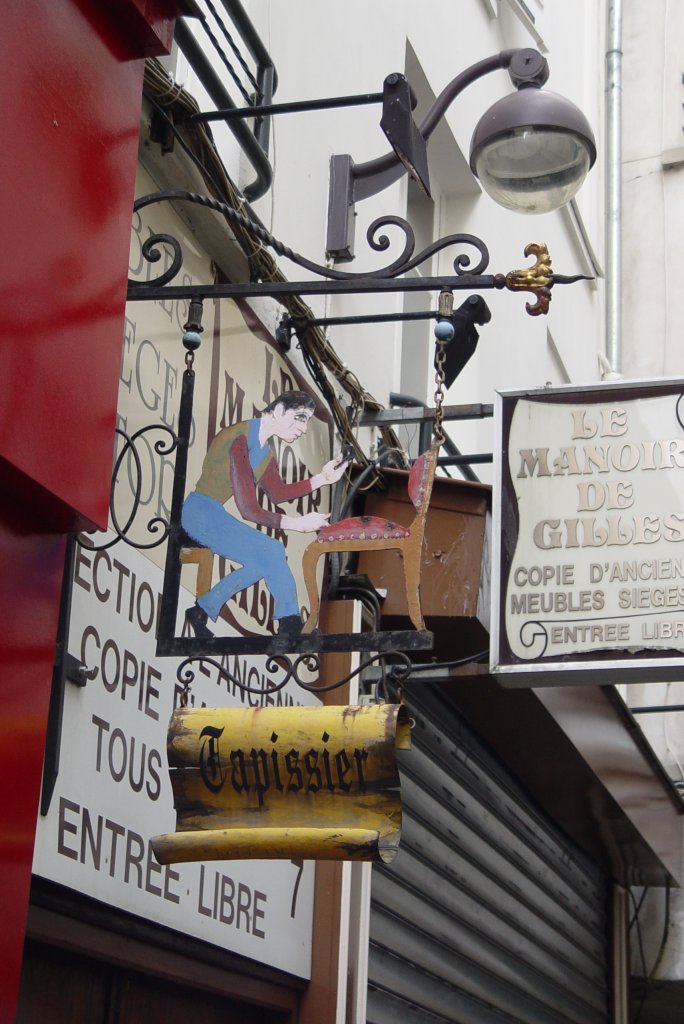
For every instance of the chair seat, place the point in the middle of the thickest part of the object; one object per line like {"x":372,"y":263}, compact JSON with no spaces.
{"x":362,"y":528}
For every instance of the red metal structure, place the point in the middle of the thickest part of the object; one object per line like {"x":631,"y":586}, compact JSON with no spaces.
{"x":71,"y":84}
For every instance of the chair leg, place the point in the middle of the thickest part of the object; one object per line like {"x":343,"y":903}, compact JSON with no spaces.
{"x":205,"y":571}
{"x":412,"y":565}
{"x":309,"y":561}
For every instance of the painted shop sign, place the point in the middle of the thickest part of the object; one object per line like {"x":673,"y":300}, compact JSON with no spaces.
{"x":238,"y":375}
{"x":236,"y":484}
{"x":225,"y":465}
{"x":588,"y":577}
{"x":113,"y":792}
{"x":320,"y":783}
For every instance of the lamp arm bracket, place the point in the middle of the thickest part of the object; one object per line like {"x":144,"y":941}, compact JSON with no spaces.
{"x":351,"y":183}
{"x":525,"y":65}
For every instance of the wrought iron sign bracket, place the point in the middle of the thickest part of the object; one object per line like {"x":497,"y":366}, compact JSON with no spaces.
{"x":537,"y":279}
{"x":290,"y":654}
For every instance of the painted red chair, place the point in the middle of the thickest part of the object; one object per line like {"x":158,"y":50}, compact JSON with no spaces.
{"x":371,"y":533}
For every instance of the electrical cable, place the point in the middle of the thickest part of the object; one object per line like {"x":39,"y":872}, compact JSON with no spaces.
{"x":455,"y":663}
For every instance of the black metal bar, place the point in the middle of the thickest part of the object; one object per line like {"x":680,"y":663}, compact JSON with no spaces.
{"x":374,"y":318}
{"x":465,"y":460}
{"x":310,"y":643}
{"x":355,"y":286}
{"x":172,"y":572}
{"x":657,"y":708}
{"x":53,"y":738}
{"x":295,"y":107}
{"x":419,"y":413}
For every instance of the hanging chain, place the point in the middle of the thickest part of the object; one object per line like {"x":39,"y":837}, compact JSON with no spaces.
{"x":444,"y":332}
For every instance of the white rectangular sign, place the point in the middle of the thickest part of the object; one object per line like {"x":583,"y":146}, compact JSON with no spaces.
{"x":588,"y":576}
{"x":113,"y":791}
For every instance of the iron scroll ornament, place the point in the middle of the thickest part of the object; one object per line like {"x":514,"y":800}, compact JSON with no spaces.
{"x":538,"y":279}
{"x":157,"y":527}
{"x":377,"y":242}
{"x":390,"y":684}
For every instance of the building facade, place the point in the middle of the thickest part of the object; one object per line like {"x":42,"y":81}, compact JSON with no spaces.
{"x":528,"y":815}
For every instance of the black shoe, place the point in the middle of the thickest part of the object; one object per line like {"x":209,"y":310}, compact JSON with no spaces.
{"x":196,"y":618}
{"x":290,"y":625}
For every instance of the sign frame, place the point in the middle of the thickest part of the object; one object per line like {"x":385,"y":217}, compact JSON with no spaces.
{"x":169,"y":643}
{"x":610,"y":665}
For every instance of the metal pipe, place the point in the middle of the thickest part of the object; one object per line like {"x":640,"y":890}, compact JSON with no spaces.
{"x":614,"y":186}
{"x":267,"y":80}
{"x":374,"y":175}
{"x":250,"y":36}
{"x":220,"y":96}
{"x":350,"y":321}
{"x":267,"y":76}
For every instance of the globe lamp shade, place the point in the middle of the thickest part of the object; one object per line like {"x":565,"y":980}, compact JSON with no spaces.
{"x":532,"y":150}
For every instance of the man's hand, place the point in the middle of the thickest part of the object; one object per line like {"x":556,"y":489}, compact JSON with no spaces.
{"x":330,"y":474}
{"x":309,"y":523}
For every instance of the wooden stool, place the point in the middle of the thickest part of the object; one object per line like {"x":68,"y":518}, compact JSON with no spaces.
{"x":203,"y":558}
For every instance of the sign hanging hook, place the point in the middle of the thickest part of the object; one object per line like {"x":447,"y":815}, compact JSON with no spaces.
{"x":192,"y":329}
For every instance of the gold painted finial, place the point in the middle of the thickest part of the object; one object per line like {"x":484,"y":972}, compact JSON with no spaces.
{"x":537,"y":279}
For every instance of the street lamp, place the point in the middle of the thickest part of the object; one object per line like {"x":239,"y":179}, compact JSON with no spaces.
{"x":531,"y":150}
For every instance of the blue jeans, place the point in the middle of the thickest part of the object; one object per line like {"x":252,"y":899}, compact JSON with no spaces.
{"x":260,"y":557}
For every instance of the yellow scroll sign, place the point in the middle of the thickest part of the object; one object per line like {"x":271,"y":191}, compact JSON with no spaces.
{"x":314,"y":783}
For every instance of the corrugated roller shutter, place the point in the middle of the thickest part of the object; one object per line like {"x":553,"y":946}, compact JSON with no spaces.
{"x":489,"y":914}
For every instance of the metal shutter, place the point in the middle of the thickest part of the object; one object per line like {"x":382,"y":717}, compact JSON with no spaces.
{"x":489,"y":914}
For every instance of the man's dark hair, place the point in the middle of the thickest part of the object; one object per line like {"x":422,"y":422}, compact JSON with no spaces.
{"x":292,"y":400}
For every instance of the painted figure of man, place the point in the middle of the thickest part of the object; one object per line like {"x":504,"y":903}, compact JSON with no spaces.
{"x":239,"y":459}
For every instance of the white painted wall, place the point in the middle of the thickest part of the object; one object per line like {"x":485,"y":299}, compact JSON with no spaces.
{"x":653,"y":189}
{"x":653,"y":327}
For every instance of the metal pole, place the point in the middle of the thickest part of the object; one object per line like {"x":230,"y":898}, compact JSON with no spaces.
{"x":614,"y":187}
